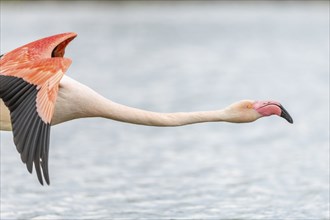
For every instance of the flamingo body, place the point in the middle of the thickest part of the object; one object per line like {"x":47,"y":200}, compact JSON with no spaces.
{"x":36,"y":94}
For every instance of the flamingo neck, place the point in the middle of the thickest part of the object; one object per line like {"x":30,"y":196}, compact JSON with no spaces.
{"x":127,"y":114}
{"x":76,"y":100}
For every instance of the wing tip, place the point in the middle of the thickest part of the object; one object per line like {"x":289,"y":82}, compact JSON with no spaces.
{"x":31,"y":134}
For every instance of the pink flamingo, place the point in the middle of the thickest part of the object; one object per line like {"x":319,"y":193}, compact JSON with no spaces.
{"x":35,"y":94}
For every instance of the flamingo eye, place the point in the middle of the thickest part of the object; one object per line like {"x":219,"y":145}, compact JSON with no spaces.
{"x":249,"y":106}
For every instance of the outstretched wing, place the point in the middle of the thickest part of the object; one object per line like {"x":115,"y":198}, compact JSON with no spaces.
{"x":29,"y":91}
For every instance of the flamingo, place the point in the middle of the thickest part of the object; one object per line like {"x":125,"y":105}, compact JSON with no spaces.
{"x":35,"y":94}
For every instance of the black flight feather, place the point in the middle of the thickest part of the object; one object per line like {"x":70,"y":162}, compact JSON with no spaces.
{"x":31,"y":134}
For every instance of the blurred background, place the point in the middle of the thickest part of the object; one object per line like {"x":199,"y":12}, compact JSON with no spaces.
{"x":172,"y":56}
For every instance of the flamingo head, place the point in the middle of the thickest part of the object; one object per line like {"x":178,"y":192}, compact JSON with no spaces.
{"x":248,"y":110}
{"x":49,"y":47}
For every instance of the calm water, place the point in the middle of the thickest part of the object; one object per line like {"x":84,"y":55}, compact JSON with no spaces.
{"x":181,"y":57}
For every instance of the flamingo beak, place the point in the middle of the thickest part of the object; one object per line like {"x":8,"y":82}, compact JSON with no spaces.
{"x":267,"y":108}
{"x":285,"y":114}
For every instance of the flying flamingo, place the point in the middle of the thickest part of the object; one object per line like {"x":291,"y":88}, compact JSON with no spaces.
{"x":35,"y":94}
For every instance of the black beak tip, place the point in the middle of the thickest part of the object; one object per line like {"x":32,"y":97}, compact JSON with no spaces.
{"x":285,"y":114}
{"x":290,"y":120}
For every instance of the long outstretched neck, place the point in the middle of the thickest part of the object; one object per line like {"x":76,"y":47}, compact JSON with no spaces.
{"x":127,"y":114}
{"x":79,"y":101}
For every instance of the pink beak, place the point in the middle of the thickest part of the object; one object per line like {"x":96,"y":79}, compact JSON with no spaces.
{"x":267,"y":108}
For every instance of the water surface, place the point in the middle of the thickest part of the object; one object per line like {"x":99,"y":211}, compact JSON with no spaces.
{"x":181,"y":57}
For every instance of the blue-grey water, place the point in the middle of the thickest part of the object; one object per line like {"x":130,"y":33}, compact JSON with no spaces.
{"x":185,"y":56}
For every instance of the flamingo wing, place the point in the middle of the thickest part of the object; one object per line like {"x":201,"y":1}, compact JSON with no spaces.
{"x":29,"y":90}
